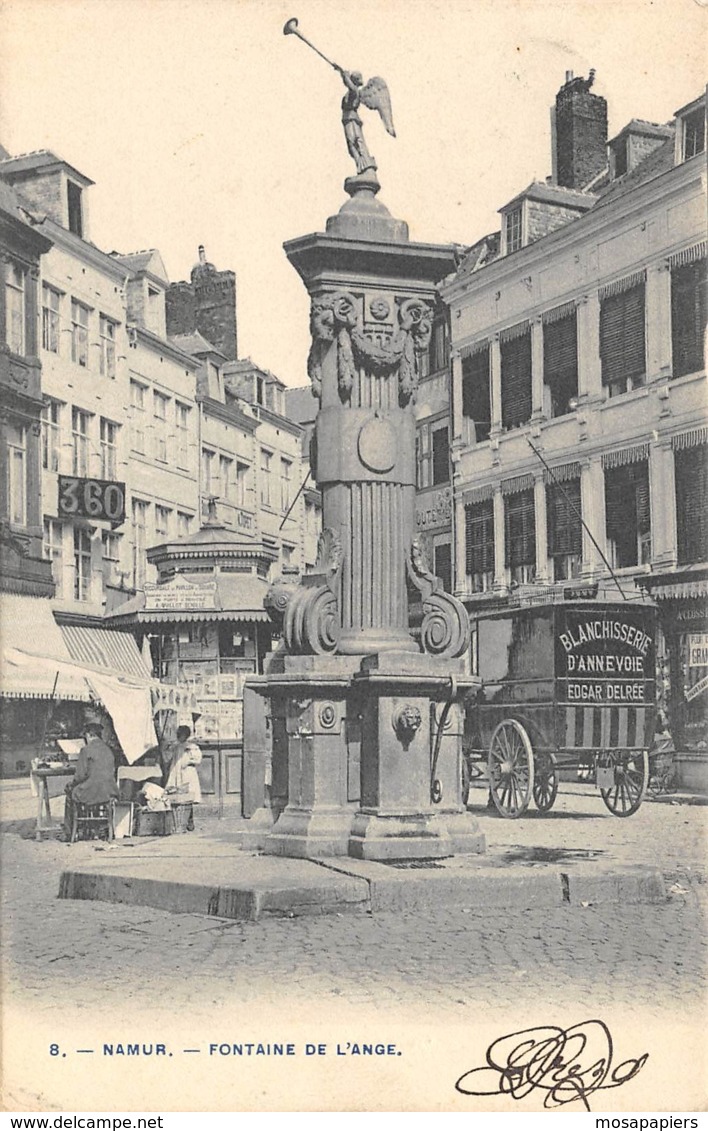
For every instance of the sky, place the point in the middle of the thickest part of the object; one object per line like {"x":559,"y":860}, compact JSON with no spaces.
{"x":200,"y":122}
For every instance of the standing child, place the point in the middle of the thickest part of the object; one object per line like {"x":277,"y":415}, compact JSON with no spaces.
{"x":182,"y":780}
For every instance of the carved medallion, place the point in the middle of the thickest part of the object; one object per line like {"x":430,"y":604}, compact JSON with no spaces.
{"x":377,"y":445}
{"x":380,"y":309}
{"x":328,"y":715}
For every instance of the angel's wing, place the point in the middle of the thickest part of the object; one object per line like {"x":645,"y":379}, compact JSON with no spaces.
{"x":375,"y":95}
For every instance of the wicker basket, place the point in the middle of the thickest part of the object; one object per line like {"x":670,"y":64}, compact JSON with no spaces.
{"x":183,"y":814}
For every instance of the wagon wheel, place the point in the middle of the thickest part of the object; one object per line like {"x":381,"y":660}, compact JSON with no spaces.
{"x":631,"y":778}
{"x":510,"y":768}
{"x":545,"y":786}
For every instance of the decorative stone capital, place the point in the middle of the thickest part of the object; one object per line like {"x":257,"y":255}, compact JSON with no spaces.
{"x":336,"y":319}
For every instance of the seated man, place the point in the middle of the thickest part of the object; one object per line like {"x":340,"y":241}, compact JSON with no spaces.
{"x":95,"y":779}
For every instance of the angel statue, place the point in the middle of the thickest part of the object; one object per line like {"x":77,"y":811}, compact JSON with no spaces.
{"x":374,"y":95}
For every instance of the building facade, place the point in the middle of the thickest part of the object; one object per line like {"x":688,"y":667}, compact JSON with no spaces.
{"x":279,"y":466}
{"x":22,"y":565}
{"x":434,"y":508}
{"x":26,"y":582}
{"x":579,"y":412}
{"x":121,"y":437}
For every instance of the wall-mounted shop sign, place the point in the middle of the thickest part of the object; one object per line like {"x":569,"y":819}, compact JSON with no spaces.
{"x":181,"y":594}
{"x":698,"y":650}
{"x":434,"y":510}
{"x":99,"y":499}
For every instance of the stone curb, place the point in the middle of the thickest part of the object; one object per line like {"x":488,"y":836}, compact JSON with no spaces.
{"x":346,"y":886}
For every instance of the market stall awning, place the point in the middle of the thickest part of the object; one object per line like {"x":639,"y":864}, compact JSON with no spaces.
{"x":105,"y":648}
{"x":109,"y":652}
{"x":28,"y":623}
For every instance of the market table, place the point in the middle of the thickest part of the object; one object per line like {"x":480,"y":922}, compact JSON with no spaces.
{"x":39,"y":778}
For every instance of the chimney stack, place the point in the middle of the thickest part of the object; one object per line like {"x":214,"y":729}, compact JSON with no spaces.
{"x":580,"y":133}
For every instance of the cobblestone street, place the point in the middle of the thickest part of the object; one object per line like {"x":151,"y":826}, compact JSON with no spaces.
{"x":66,"y":958}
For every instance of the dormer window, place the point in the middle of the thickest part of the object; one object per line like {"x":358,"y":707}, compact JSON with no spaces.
{"x":260,"y":391}
{"x":513,"y":229}
{"x":76,"y":220}
{"x":694,"y":133}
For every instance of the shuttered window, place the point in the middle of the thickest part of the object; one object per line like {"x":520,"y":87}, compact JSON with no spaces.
{"x":628,"y":516}
{"x":689,"y":312}
{"x":565,"y":531}
{"x":520,"y":529}
{"x":479,"y":538}
{"x":441,"y":456}
{"x":622,"y":340}
{"x":560,"y":362}
{"x":691,"y":510}
{"x":476,"y":400}
{"x":516,"y":380}
{"x":443,"y":565}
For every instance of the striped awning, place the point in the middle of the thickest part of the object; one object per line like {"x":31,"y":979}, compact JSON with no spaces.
{"x":563,"y":473}
{"x":678,"y":590}
{"x":620,"y":285}
{"x":689,"y":255}
{"x":512,"y":332}
{"x":104,"y":648}
{"x":558,"y":313}
{"x":516,"y":485}
{"x":691,"y":439}
{"x":479,"y":495}
{"x":622,"y":456}
{"x":31,"y":641}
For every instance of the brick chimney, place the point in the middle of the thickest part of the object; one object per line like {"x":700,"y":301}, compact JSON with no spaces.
{"x":580,"y":133}
{"x":207,"y":304}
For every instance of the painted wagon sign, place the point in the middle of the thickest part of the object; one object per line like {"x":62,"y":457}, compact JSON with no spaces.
{"x":605,"y":656}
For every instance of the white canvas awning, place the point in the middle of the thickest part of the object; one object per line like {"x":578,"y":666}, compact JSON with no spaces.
{"x":27,"y":623}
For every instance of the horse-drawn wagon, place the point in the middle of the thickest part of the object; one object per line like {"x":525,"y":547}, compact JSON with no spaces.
{"x":567,"y":686}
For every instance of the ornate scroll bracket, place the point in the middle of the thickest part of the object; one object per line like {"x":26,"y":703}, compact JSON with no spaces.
{"x":445,"y":628}
{"x":311,"y":619}
{"x":336,"y":319}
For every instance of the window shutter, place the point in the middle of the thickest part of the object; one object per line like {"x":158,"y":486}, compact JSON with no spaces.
{"x":689,"y":312}
{"x":627,"y":509}
{"x":520,"y":529}
{"x":691,"y":511}
{"x":641,"y":488}
{"x":476,"y":401}
{"x":516,"y":380}
{"x":622,"y":335}
{"x":479,"y":537}
{"x":565,"y":533}
{"x":441,"y":464}
{"x":560,"y":360}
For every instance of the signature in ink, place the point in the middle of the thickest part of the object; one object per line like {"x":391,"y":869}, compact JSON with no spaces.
{"x":567,"y":1064}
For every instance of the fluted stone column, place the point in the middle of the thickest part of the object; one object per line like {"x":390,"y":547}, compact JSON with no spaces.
{"x":371,"y":682}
